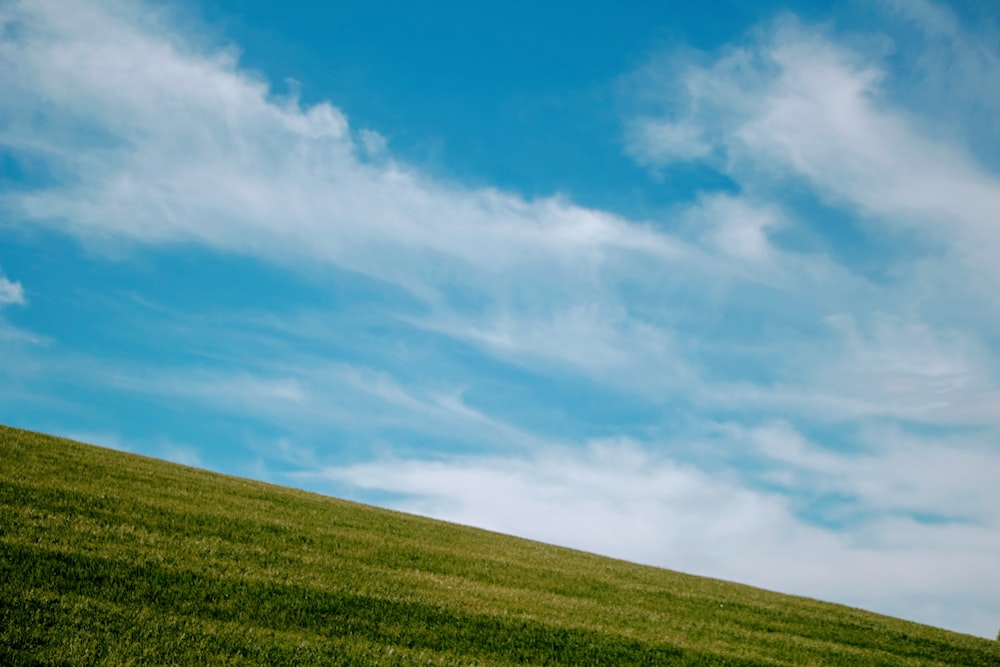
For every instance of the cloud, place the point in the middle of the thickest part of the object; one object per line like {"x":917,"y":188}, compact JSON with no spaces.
{"x":737,"y":227}
{"x":831,"y":148}
{"x":891,"y":470}
{"x":598,"y":340}
{"x":887,"y":368}
{"x":957,"y":59}
{"x":181,"y":145}
{"x":325,"y":400}
{"x":793,"y":103}
{"x":11,"y":293}
{"x":657,"y":142}
{"x":153,"y":138}
{"x":823,"y":122}
{"x":914,"y":372}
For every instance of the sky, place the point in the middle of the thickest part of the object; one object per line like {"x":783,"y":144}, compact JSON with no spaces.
{"x":709,"y":286}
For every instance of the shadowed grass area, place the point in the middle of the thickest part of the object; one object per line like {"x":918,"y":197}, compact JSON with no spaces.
{"x":115,"y":559}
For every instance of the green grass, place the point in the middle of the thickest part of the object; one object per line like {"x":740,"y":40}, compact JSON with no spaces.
{"x":108,"y":558}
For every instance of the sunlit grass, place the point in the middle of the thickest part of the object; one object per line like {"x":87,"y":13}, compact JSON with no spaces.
{"x":109,"y":558}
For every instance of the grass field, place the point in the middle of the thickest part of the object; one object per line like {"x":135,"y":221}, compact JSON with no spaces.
{"x":115,"y":559}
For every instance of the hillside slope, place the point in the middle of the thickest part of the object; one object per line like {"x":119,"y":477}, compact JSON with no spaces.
{"x":111,"y":558}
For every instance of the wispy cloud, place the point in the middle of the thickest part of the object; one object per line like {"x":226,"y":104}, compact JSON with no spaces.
{"x":321,"y":396}
{"x":890,"y":470}
{"x":597,"y":340}
{"x":795,"y":103}
{"x":10,"y":292}
{"x":182,"y":146}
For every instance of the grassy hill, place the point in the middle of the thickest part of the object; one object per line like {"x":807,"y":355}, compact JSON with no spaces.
{"x":111,"y":558}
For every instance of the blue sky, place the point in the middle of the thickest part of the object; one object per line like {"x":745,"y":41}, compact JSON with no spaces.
{"x":709,"y":288}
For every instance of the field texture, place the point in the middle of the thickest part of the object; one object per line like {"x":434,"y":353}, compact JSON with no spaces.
{"x":113,"y":559}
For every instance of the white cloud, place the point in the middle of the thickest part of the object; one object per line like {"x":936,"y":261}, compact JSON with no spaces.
{"x":238,"y":391}
{"x":794,"y":102}
{"x":823,"y":120}
{"x":932,"y":17}
{"x":180,"y":145}
{"x":887,"y":368}
{"x":795,"y":108}
{"x":10,"y":292}
{"x":191,"y":148}
{"x":912,"y":371}
{"x":893,"y":471}
{"x":654,"y":141}
{"x":737,"y":227}
{"x":598,"y":340}
{"x":311,"y":394}
{"x":373,"y":143}
{"x":184,"y":146}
